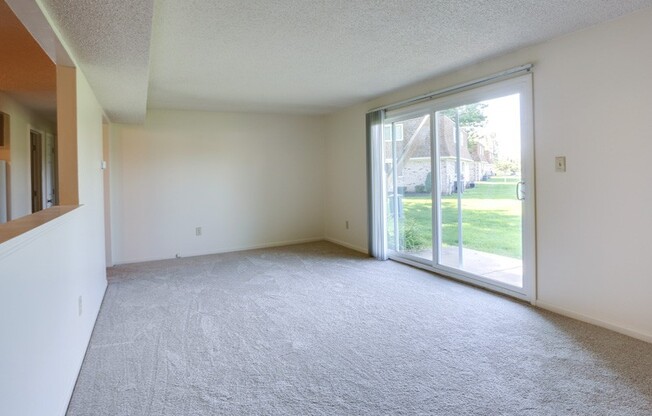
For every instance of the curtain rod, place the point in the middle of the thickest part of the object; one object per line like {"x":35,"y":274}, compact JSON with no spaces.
{"x":438,"y":93}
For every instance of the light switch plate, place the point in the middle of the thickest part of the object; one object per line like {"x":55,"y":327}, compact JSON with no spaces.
{"x":560,"y":164}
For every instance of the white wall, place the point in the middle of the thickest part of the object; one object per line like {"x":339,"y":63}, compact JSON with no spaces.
{"x":22,"y":120}
{"x":346,"y":179}
{"x":91,"y":192}
{"x":248,"y":180}
{"x":592,"y":103}
{"x":42,"y":275}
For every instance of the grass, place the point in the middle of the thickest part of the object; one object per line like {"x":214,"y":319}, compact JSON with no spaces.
{"x":491,"y":219}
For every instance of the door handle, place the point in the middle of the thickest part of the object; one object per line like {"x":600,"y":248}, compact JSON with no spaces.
{"x":519,"y":191}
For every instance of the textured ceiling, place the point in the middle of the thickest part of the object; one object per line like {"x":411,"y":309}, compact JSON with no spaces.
{"x":315,"y":56}
{"x":109,"y":40}
{"x":295,"y":55}
{"x":26,"y":72}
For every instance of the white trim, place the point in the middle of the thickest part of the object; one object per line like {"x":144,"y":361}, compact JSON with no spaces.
{"x":73,"y":382}
{"x":221,"y":251}
{"x":28,"y":237}
{"x":347,"y":245}
{"x":494,"y":287}
{"x":514,"y":85}
{"x":455,"y":88}
{"x":435,"y":189}
{"x":522,"y":85}
{"x":528,"y":167}
{"x":598,"y":322}
{"x":411,"y":113}
{"x":389,"y":138}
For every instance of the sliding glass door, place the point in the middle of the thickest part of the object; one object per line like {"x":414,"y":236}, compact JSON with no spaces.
{"x":459,"y":181}
{"x":480,"y":201}
{"x":408,"y":145}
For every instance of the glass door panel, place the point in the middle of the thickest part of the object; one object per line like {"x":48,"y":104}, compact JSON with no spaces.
{"x":408,"y":184}
{"x":456,"y":170}
{"x":450,"y":251}
{"x":391,"y":197}
{"x":480,"y":207}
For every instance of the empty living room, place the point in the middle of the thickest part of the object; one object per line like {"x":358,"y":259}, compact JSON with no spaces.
{"x":325,"y":208}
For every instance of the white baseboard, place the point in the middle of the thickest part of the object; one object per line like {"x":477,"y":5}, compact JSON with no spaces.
{"x":584,"y":318}
{"x":347,"y":245}
{"x":225,"y":250}
{"x":80,"y":362}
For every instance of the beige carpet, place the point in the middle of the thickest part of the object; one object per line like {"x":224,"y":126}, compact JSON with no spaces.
{"x":316,"y":329}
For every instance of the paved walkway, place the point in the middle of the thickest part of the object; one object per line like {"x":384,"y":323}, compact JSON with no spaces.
{"x":492,"y":266}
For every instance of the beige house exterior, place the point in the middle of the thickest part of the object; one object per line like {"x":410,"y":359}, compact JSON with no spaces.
{"x":413,"y":153}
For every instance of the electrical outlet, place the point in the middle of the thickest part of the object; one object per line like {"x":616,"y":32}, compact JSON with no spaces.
{"x":346,"y":224}
{"x":560,"y":164}
{"x":198,"y":231}
{"x":79,"y":305}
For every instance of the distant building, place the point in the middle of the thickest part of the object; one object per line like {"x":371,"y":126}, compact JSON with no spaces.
{"x":413,"y":150}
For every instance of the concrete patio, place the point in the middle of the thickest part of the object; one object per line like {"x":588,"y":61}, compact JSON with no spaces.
{"x":502,"y":269}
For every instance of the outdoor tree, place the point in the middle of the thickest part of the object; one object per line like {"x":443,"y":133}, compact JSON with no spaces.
{"x":471,"y":119}
{"x":507,"y":167}
{"x":471,"y":116}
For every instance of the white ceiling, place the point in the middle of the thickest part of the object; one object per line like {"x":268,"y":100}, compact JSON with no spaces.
{"x":295,"y":55}
{"x":110,"y":41}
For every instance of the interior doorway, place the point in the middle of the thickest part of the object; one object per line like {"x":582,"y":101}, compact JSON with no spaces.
{"x":36,"y":169}
{"x":50,"y":183}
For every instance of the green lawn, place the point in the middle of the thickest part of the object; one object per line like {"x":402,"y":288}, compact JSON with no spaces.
{"x":491,"y":220}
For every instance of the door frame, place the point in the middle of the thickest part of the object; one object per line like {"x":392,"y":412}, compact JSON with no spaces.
{"x":522,"y":85}
{"x":36,"y":169}
{"x":50,"y":171}
{"x":402,"y":116}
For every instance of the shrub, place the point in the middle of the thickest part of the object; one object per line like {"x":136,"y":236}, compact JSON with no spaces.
{"x":411,"y":237}
{"x":428,"y":184}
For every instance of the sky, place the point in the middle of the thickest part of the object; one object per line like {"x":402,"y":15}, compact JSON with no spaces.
{"x":504,"y":118}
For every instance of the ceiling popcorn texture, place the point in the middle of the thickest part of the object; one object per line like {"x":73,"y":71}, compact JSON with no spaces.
{"x":317,"y":56}
{"x":110,"y":41}
{"x":295,"y":56}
